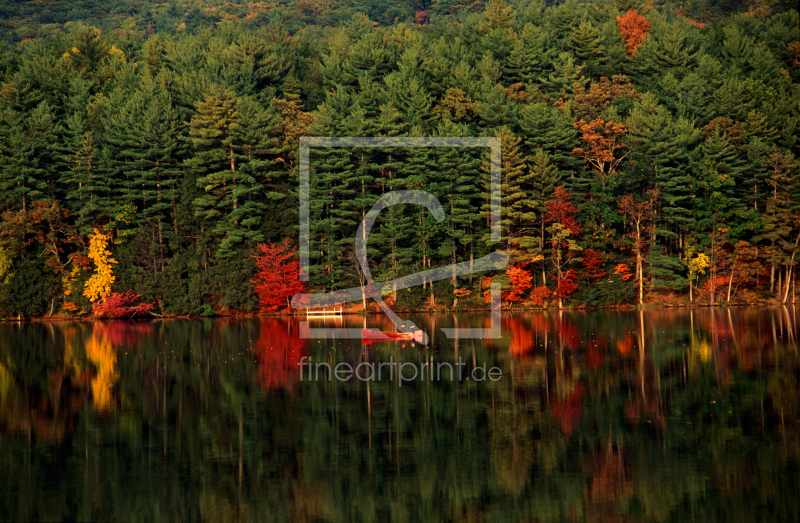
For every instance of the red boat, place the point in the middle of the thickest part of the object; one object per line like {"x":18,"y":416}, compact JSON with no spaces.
{"x":372,"y":335}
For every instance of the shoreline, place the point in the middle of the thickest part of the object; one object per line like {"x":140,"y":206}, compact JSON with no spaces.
{"x":362,"y":313}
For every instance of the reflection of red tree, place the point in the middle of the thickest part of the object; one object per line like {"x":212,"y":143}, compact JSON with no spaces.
{"x":540,"y":324}
{"x":567,"y":412}
{"x":625,"y":345}
{"x":596,"y":354}
{"x":122,"y":332}
{"x":568,"y":332}
{"x":279,"y":349}
{"x":522,"y":340}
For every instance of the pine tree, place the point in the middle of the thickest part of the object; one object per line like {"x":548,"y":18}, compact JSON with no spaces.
{"x":28,"y":143}
{"x":780,"y":211}
{"x":545,"y":127}
{"x":587,"y":48}
{"x":668,"y":48}
{"x":664,"y":150}
{"x":567,"y":73}
{"x":526,"y":61}
{"x":460,"y":193}
{"x":719,"y":153}
{"x":88,"y":53}
{"x":544,"y":178}
{"x":497,"y":15}
{"x":229,"y":192}
{"x":85,"y":185}
{"x":517,"y":222}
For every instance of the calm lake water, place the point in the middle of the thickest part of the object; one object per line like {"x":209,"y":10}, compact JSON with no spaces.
{"x":597,"y":416}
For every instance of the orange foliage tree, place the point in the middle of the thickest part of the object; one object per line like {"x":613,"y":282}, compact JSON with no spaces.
{"x":521,"y":281}
{"x":588,"y":105}
{"x":602,"y":144}
{"x":458,"y":107}
{"x":632,"y":28}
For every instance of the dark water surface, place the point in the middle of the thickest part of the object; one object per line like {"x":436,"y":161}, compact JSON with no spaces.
{"x":599,"y":416}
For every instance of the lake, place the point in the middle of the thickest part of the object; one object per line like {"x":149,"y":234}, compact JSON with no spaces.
{"x":671,"y":415}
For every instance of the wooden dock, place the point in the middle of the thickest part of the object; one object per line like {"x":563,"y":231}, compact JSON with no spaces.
{"x":325,"y":313}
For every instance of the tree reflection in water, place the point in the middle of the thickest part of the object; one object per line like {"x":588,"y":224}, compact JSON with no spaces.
{"x":599,"y":416}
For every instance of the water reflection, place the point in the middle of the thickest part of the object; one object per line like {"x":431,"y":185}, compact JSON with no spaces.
{"x":599,"y":416}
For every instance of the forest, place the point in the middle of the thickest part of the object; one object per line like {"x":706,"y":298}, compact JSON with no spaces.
{"x":149,"y":153}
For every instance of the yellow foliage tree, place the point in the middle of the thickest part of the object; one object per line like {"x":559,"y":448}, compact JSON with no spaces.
{"x":98,"y":287}
{"x":697,"y":263}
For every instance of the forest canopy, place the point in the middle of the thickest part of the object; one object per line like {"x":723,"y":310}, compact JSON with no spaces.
{"x":649,"y":150}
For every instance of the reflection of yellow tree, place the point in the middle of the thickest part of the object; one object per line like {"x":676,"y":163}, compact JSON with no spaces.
{"x":514,"y":414}
{"x":511,"y":442}
{"x":101,"y":353}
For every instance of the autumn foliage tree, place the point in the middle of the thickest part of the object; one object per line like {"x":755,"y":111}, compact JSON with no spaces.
{"x":521,"y":281}
{"x":98,"y":287}
{"x":121,"y":305}
{"x":277,"y":274}
{"x":593,"y":265}
{"x":639,"y":212}
{"x":560,"y":213}
{"x":632,"y":28}
{"x":602,"y":144}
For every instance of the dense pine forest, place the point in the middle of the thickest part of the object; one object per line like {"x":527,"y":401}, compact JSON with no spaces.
{"x":149,"y":153}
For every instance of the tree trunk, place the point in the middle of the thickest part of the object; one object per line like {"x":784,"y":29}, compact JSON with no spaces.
{"x":639,"y":265}
{"x":788,"y":282}
{"x":772,"y":278}
{"x":730,"y":280}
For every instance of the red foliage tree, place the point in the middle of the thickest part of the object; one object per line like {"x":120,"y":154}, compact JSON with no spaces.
{"x":540,"y":294}
{"x":566,"y":285}
{"x":121,"y":306}
{"x":277,"y":274}
{"x":623,"y":270}
{"x":632,"y":28}
{"x":593,"y":265}
{"x":561,"y":213}
{"x":561,"y":210}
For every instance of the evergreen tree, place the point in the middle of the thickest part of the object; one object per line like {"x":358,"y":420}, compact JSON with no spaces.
{"x":664,"y":149}
{"x":230,"y":192}
{"x":547,"y":128}
{"x":147,"y":143}
{"x":497,"y":15}
{"x":544,"y":178}
{"x":566,"y":75}
{"x":28,"y":143}
{"x":518,"y":217}
{"x":82,"y":177}
{"x":586,"y":46}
